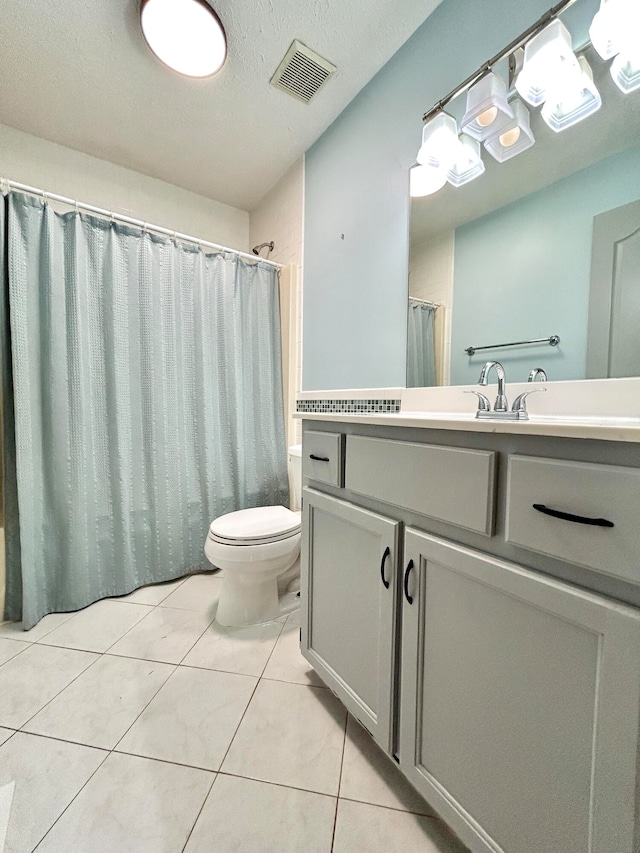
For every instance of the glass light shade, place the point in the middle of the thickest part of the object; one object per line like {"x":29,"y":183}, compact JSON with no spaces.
{"x":425,"y":180}
{"x":573,"y":100}
{"x":511,"y":136}
{"x":625,"y":71}
{"x":439,"y":142}
{"x":186,"y":35}
{"x":616,"y":28}
{"x":548,"y":57}
{"x":486,"y":102}
{"x":468,"y":164}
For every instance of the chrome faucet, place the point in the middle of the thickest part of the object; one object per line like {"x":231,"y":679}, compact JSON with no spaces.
{"x":501,"y":404}
{"x":537,"y":373}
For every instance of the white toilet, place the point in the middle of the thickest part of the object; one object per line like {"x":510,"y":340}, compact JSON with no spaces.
{"x":258,"y":550}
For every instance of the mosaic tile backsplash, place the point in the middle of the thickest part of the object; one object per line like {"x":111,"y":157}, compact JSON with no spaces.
{"x":351,"y":407}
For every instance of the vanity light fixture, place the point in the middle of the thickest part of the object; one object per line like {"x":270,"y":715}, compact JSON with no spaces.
{"x":468,"y":164}
{"x":439,"y":142}
{"x":548,"y":59}
{"x":425,"y":180}
{"x":615,"y":31}
{"x":511,"y":136}
{"x":573,"y":100}
{"x":486,"y":102}
{"x":186,"y":35}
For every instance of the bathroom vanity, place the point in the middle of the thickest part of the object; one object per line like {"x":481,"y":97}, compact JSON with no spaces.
{"x":471,"y":593}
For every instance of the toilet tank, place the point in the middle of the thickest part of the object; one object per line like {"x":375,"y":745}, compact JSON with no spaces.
{"x":295,"y":463}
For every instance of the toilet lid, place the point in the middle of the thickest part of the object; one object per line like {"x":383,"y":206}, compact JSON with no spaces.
{"x":254,"y":526}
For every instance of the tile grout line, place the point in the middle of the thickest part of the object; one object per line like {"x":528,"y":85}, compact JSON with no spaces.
{"x":74,"y":798}
{"x":200,"y":810}
{"x":344,"y":746}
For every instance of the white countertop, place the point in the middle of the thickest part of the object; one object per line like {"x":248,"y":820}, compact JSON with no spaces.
{"x":603,"y":429}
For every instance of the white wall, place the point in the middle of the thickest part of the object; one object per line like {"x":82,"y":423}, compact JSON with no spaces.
{"x":54,"y":168}
{"x":279,"y":217}
{"x":431,"y":278}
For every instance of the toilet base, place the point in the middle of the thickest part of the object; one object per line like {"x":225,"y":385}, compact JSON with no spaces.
{"x":248,"y":601}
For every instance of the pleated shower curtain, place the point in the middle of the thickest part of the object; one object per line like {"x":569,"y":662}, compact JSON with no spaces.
{"x":147,"y":397}
{"x":421,"y":353}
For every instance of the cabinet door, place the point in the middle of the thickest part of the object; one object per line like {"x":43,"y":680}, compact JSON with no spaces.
{"x":349,"y":593}
{"x":520,"y":703}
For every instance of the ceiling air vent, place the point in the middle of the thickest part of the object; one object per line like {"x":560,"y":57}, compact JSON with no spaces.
{"x":302,"y":72}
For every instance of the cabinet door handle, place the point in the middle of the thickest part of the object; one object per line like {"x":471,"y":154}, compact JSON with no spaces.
{"x":387,"y":553}
{"x":407,"y":572}
{"x":319,"y":458}
{"x":578,"y":519}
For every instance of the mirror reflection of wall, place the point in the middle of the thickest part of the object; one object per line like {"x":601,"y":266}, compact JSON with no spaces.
{"x":431,"y":294}
{"x":509,"y":256}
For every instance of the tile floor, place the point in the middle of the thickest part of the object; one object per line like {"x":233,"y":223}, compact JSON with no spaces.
{"x":138,"y":724}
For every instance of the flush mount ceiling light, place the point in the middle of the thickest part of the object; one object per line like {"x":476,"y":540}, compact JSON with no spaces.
{"x":468,"y":164}
{"x":425,"y":180}
{"x":486,"y":101}
{"x":574,"y":99}
{"x":511,"y":136}
{"x":185,"y":35}
{"x":548,"y":57}
{"x":439,"y":142}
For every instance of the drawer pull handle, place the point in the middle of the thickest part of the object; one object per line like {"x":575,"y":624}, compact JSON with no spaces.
{"x":578,"y":519}
{"x":407,"y":572}
{"x":319,"y":458}
{"x":387,"y":553}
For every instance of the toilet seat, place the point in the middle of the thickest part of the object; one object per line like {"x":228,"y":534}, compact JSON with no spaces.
{"x":256,"y":526}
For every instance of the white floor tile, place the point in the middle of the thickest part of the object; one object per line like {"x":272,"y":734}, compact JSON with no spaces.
{"x":245,"y":816}
{"x":5,"y":734}
{"x":153,"y":594}
{"x":164,"y":634}
{"x":32,"y":678}
{"x":371,"y":829}
{"x":241,"y":650}
{"x":100,"y":705}
{"x":47,"y":774}
{"x":192,"y":719}
{"x":286,"y":663}
{"x":131,"y":804}
{"x":370,"y":777}
{"x":10,"y":648}
{"x":292,"y":735}
{"x":199,"y":593}
{"x":97,"y":627}
{"x":13,"y":630}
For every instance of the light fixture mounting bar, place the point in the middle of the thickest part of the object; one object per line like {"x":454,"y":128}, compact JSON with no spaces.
{"x":520,"y":41}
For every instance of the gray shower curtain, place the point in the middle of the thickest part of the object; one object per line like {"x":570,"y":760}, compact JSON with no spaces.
{"x":147,"y":392}
{"x":421,"y":353}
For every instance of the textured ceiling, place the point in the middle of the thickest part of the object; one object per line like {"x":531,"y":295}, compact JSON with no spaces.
{"x":79,"y":73}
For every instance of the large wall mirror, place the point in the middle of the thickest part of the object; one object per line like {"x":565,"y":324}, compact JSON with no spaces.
{"x":545,"y":244}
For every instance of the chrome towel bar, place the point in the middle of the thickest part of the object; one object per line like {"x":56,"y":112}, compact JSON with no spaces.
{"x":552,"y":340}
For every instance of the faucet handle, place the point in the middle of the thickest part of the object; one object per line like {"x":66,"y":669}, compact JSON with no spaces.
{"x":520,"y":403}
{"x":483,"y":402}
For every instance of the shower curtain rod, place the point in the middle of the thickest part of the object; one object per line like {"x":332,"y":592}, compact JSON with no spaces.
{"x":426,"y":302}
{"x":128,"y":220}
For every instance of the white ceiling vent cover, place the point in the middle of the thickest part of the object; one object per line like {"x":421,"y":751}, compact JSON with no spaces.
{"x":302,"y":72}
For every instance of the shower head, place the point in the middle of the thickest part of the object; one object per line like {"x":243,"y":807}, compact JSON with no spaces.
{"x":256,"y":249}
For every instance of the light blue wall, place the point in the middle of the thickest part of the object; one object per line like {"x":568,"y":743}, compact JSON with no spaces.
{"x":356,"y":185}
{"x":524,"y":272}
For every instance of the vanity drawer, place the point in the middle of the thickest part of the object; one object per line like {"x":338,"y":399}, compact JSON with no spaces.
{"x":585,"y":491}
{"x":450,"y":484}
{"x":323,"y":457}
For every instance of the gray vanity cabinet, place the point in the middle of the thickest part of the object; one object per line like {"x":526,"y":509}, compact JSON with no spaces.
{"x":519,"y":703}
{"x":350,"y":591}
{"x":510,"y":697}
